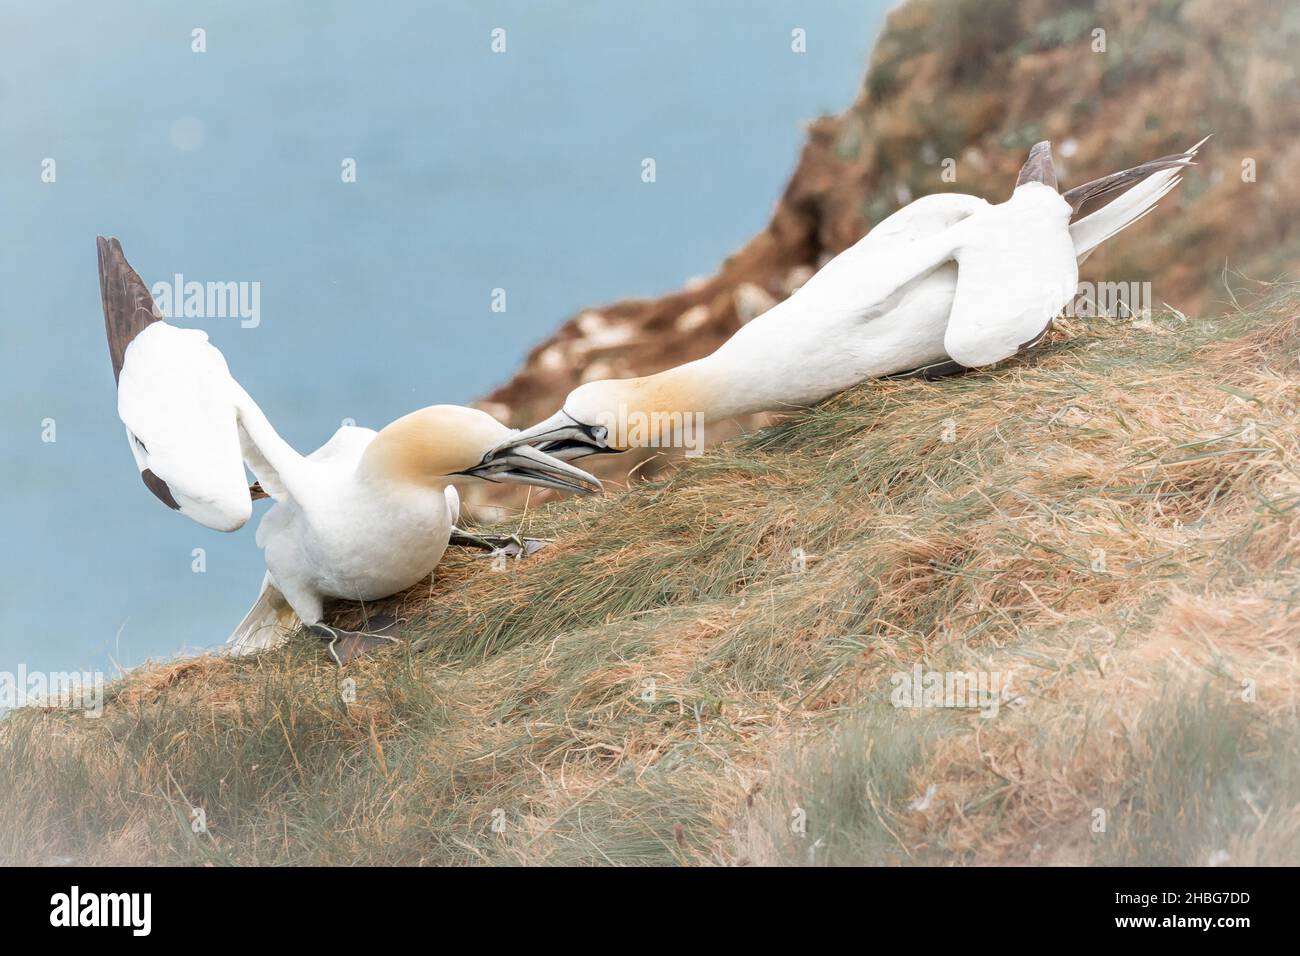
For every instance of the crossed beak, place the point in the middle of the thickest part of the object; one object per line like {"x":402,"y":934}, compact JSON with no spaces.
{"x":525,"y":465}
{"x":560,"y":436}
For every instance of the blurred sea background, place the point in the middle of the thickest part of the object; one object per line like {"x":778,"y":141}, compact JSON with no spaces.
{"x":474,"y":171}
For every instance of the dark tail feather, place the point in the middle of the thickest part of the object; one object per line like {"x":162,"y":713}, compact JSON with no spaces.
{"x":1085,"y":199}
{"x":1038,"y":167}
{"x":128,"y":307}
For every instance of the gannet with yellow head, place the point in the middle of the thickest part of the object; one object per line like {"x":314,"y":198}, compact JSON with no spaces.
{"x":947,"y":283}
{"x":365,"y":516}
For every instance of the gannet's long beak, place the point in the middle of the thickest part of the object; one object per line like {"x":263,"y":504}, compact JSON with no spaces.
{"x":561,"y":436}
{"x":525,"y":465}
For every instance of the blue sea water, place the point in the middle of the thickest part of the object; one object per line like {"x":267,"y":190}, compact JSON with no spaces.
{"x":475,"y":171}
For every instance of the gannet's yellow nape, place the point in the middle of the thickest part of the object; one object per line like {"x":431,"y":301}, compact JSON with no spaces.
{"x":366,"y":515}
{"x":946,"y":283}
{"x":430,"y":445}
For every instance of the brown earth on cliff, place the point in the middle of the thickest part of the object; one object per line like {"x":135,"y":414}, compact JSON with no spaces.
{"x":964,"y":87}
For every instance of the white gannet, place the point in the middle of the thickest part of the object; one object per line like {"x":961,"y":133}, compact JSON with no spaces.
{"x":948,"y":282}
{"x":365,"y":516}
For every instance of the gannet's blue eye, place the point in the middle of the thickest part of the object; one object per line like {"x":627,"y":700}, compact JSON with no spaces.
{"x":599,"y":432}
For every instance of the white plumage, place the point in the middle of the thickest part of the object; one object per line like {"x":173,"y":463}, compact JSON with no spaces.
{"x":949,"y":278}
{"x":177,"y":400}
{"x":366,"y":515}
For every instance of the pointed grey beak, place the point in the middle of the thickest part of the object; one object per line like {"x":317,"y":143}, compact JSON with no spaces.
{"x":525,"y":465}
{"x":561,"y":436}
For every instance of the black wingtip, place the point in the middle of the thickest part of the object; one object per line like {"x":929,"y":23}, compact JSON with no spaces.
{"x":128,"y":306}
{"x":160,"y":489}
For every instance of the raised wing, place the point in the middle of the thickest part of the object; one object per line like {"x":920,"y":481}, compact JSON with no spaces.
{"x":190,"y":425}
{"x":175,"y":397}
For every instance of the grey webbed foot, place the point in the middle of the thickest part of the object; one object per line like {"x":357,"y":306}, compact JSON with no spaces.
{"x":346,"y":646}
{"x":932,"y":372}
{"x":509,"y":545}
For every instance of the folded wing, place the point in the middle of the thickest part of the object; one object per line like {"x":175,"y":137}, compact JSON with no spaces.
{"x":1016,"y":270}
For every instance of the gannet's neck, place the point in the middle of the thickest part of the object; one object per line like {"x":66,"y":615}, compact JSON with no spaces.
{"x":670,"y":409}
{"x":272,"y":459}
{"x":724,"y":384}
{"x":692,"y":387}
{"x":698,"y":387}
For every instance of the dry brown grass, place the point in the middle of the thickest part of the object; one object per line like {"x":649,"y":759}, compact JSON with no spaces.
{"x":1115,"y":523}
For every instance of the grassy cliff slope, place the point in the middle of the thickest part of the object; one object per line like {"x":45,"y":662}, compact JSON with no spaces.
{"x":955,"y":93}
{"x":702,"y":666}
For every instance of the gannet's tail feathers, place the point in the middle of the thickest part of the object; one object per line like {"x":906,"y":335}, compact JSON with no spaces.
{"x":129,"y":308}
{"x":268,"y":622}
{"x":1080,"y":196}
{"x":1038,"y":167}
{"x":1134,"y":193}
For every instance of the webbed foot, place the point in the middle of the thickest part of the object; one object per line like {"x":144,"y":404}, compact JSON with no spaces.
{"x":509,"y":545}
{"x":346,"y":646}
